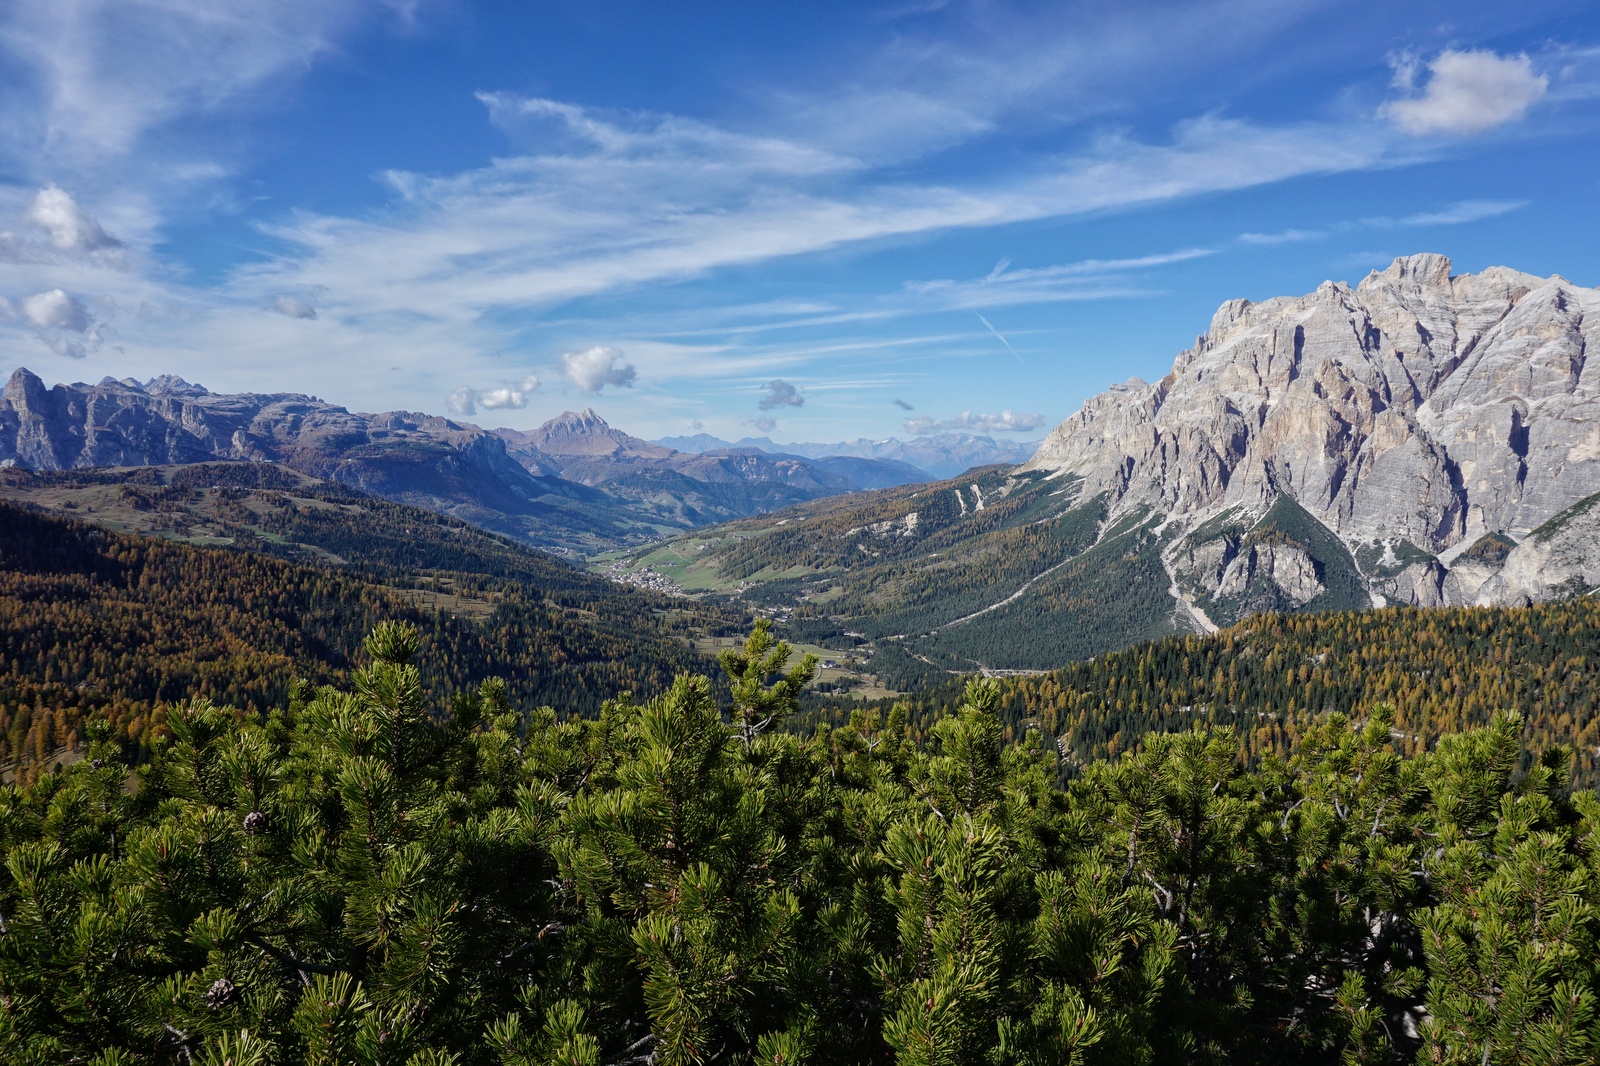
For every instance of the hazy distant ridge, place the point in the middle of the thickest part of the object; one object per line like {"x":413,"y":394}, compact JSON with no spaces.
{"x":943,"y":455}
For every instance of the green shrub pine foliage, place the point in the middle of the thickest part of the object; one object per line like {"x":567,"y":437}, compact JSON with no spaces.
{"x":361,"y":878}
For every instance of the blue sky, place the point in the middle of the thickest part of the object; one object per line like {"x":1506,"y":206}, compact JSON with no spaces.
{"x":821,"y":222}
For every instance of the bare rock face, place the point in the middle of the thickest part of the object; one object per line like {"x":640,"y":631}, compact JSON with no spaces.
{"x":1559,"y":558}
{"x":1418,"y":410}
{"x":1418,"y":585}
{"x":1287,"y":566}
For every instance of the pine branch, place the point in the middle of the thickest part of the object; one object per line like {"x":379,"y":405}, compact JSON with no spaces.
{"x":292,"y":962}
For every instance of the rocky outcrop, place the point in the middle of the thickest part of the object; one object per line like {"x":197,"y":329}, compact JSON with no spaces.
{"x":1410,"y":415}
{"x":1559,"y":558}
{"x":1287,"y":566}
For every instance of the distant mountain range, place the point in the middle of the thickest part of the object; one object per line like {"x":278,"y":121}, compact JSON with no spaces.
{"x":941,"y":455}
{"x":1423,"y":438}
{"x":574,"y":484}
{"x":680,"y":488}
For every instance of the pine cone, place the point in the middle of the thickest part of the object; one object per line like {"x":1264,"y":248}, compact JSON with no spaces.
{"x":255,"y":823}
{"x":221,"y":994}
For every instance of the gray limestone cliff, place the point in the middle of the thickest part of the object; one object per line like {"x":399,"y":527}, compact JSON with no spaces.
{"x":1411,"y":416}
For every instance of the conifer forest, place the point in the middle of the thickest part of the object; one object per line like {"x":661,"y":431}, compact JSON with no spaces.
{"x":359,"y":874}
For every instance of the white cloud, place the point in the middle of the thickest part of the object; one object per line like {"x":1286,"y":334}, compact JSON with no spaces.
{"x":765,"y":423}
{"x":781,"y":394}
{"x":1466,"y":93}
{"x":62,"y":322}
{"x":904,"y":406}
{"x":465,"y":400}
{"x":966,"y":421}
{"x":291,"y":307}
{"x":71,"y":228}
{"x":509,"y":397}
{"x":59,"y":232}
{"x":594,"y":368}
{"x":56,"y":310}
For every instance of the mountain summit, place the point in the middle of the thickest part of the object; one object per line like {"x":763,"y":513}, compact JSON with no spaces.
{"x":585,"y":434}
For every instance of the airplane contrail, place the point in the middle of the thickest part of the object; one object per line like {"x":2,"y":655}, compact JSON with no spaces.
{"x":1000,"y":337}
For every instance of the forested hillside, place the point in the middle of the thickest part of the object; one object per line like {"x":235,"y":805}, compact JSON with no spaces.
{"x":117,"y":625}
{"x":364,"y":877}
{"x":1000,"y":569}
{"x":993,"y":569}
{"x":1272,"y":676}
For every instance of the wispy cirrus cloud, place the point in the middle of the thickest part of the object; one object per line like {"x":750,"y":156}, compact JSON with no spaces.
{"x":101,"y":74}
{"x":1459,"y":213}
{"x":1085,"y":279}
{"x":459,"y":246}
{"x":1455,"y":214}
{"x":1287,"y":236}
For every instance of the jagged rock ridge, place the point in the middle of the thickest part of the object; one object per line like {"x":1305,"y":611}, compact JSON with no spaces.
{"x":1411,"y":416}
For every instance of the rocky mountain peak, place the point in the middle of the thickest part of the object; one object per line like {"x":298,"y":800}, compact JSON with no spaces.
{"x":583,"y":433}
{"x":1428,"y":268}
{"x":173,"y":385}
{"x":1421,"y":408}
{"x":587,"y":419}
{"x":24,"y":383}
